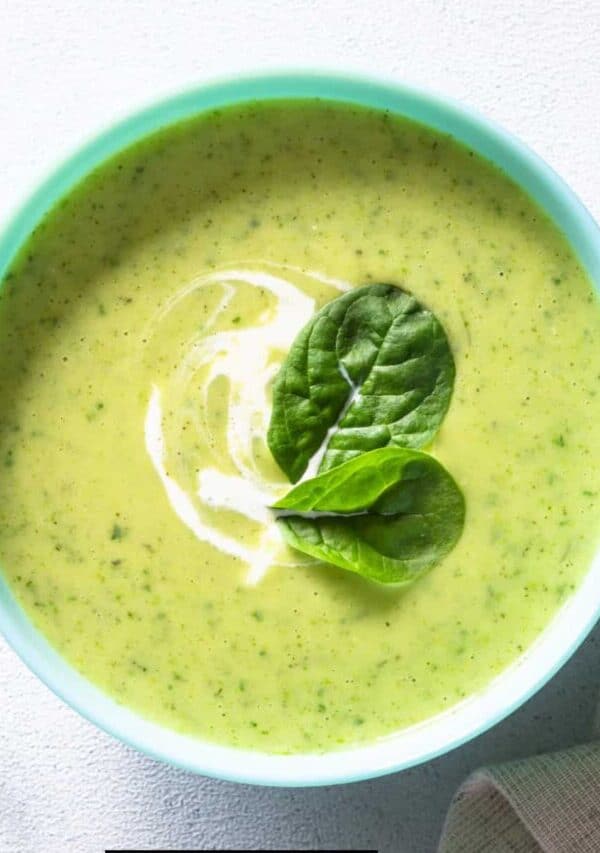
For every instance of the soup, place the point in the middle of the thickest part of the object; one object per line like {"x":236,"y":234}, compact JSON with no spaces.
{"x":141,"y":329}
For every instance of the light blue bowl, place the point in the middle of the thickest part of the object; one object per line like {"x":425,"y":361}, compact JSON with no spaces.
{"x":518,"y":682}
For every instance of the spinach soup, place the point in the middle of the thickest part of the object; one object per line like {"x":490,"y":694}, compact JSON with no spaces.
{"x":298,"y":425}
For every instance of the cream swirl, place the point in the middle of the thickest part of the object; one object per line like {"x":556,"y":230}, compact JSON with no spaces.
{"x":209,"y":409}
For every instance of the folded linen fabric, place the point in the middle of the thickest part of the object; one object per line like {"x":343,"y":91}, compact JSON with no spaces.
{"x":548,"y":803}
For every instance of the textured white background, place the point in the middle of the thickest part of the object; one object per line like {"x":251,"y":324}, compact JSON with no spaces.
{"x":67,"y":69}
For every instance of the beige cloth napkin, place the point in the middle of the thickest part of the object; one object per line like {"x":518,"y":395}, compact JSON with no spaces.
{"x":548,"y":803}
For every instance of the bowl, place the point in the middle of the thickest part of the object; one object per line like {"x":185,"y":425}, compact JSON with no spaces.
{"x":514,"y":685}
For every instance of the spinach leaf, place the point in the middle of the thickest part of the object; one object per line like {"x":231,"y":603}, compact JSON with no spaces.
{"x":388,"y":515}
{"x":372,"y":368}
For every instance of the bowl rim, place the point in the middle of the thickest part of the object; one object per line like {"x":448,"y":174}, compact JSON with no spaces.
{"x":556,"y":199}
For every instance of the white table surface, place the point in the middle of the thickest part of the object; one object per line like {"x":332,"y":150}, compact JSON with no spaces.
{"x":67,"y":69}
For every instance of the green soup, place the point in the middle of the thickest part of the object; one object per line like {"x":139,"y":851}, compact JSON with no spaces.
{"x":141,"y":328}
